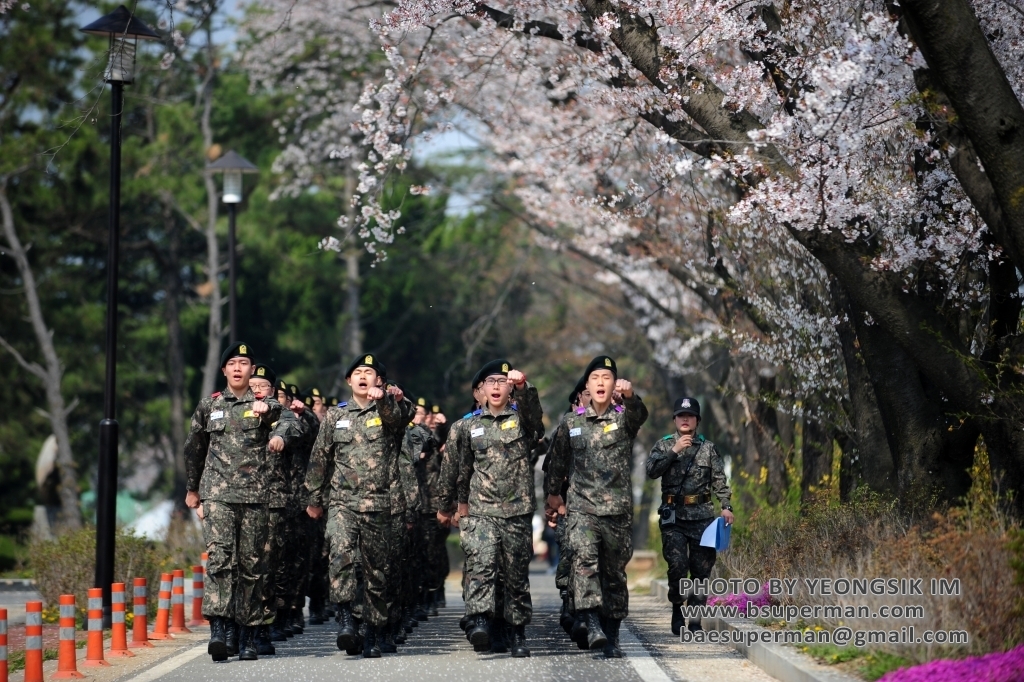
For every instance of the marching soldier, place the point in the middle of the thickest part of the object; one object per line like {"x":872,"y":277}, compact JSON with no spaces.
{"x":494,"y":458}
{"x":592,"y":448}
{"x":227,"y":469}
{"x":360,"y":439}
{"x":690,"y":470}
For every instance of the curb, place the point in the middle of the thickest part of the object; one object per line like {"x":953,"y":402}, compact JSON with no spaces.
{"x":17,"y":585}
{"x":781,"y":662}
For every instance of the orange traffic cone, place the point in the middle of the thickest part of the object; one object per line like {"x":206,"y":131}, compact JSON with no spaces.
{"x":118,"y":631}
{"x":178,"y":603}
{"x":67,"y":666}
{"x":163,"y":609}
{"x":139,"y":636}
{"x":94,"y":644}
{"x":197,"y":597}
{"x":34,"y":641}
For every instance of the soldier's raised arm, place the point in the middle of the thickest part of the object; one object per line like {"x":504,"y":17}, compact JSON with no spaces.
{"x":636,"y":414}
{"x":559,"y":459}
{"x":531,"y":413}
{"x":661,"y":458}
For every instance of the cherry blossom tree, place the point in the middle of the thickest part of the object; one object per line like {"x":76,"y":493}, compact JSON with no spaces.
{"x":825,"y":187}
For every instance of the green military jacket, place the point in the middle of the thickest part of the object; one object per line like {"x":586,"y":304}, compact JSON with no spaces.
{"x":596,"y":454}
{"x":363,"y":447}
{"x":226,"y":456}
{"x":697,"y":470}
{"x":431,"y":463}
{"x":407,"y":466}
{"x":449,"y":486}
{"x":494,"y":457}
{"x":279,"y":463}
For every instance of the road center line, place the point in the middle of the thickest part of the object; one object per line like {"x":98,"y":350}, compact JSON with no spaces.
{"x":161,"y":669}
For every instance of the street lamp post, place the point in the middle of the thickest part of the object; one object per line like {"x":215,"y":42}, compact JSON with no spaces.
{"x":124,"y":32}
{"x":232,"y":165}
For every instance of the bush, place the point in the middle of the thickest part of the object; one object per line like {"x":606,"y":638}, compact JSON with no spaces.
{"x":67,"y":565}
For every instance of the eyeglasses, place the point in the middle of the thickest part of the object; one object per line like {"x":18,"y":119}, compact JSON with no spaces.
{"x":495,"y":382}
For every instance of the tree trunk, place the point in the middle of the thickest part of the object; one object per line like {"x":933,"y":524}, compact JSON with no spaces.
{"x":352,"y":338}
{"x":764,"y":430}
{"x":171,"y":265}
{"x":214,"y":328}
{"x":816,"y":458}
{"x":57,"y":412}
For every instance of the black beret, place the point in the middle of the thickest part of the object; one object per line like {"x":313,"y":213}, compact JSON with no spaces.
{"x":369,"y":360}
{"x":686,"y":405}
{"x":477,"y":380}
{"x":423,"y":402}
{"x":282,"y":385}
{"x":264,"y":372}
{"x":239,"y":350}
{"x":600,"y":362}
{"x":308,"y":401}
{"x":294,"y":390}
{"x":494,"y":367}
{"x":435,"y":408}
{"x":332,"y":401}
{"x":315,"y":392}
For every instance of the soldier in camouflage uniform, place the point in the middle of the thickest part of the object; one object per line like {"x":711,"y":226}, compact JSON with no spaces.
{"x":360,"y":439}
{"x":494,"y":457}
{"x":690,"y":470}
{"x":435,"y":550}
{"x":593,"y":448}
{"x":317,"y":582}
{"x":399,"y":575}
{"x":226,"y":459}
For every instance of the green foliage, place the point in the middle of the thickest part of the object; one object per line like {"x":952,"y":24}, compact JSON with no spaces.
{"x":16,"y":659}
{"x":871,"y":664}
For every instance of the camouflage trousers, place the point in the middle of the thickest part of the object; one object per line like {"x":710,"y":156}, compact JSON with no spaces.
{"x":436,"y":537}
{"x":565,"y":553}
{"x":317,"y":585}
{"x":399,"y":567}
{"x":275,"y":585}
{"x":364,"y":536}
{"x":236,"y":567}
{"x":686,"y":558}
{"x":602,"y":546}
{"x":498,"y":548}
{"x":295,"y":559}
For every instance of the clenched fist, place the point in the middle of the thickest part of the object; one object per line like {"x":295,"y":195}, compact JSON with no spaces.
{"x":624,"y":388}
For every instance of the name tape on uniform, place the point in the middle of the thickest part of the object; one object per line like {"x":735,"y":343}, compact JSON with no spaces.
{"x":476,"y":432}
{"x":343,"y":424}
{"x":375,"y":421}
{"x":611,"y":427}
{"x":576,"y":432}
{"x":510,"y":424}
{"x":219,"y":414}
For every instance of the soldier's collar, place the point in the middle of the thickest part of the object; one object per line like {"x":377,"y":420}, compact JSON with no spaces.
{"x":508,"y":409}
{"x":591,"y":413}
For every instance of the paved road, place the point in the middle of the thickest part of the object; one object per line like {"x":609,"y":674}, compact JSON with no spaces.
{"x":438,"y":651}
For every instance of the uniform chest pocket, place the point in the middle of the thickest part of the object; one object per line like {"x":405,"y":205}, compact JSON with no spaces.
{"x":216,"y":425}
{"x":373,"y":433}
{"x":479,"y":439}
{"x":343,"y":434}
{"x":612,"y":434}
{"x":250,"y":423}
{"x":509,"y":431}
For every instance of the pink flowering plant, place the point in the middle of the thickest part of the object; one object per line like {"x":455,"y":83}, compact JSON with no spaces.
{"x":996,"y":667}
{"x":741,"y":601}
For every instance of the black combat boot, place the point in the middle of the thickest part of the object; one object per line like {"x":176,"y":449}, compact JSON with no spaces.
{"x":595,"y":635}
{"x":276,"y":628}
{"x":519,"y":648}
{"x":442,"y":603}
{"x":408,"y":622}
{"x":677,"y":619}
{"x":296,"y":620}
{"x":264,"y":647}
{"x":247,"y":644}
{"x":611,"y":629}
{"x":348,"y":637}
{"x":420,"y":611}
{"x":578,"y":632}
{"x":398,"y":633}
{"x":217,"y":649}
{"x":465,"y":621}
{"x":316,"y":612}
{"x":370,"y":648}
{"x":693,"y":625}
{"x":386,"y":641}
{"x":498,"y":643}
{"x":432,"y":603}
{"x":565,"y":618}
{"x":231,"y":636}
{"x":478,"y":634}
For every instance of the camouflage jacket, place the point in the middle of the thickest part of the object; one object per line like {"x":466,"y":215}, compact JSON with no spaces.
{"x":431,"y":468}
{"x":494,"y":457}
{"x":299,"y":460}
{"x":596,"y":454}
{"x":448,"y":484}
{"x":697,"y":470}
{"x":226,"y":457}
{"x":407,"y":469}
{"x":279,"y":468}
{"x":419,"y":444}
{"x":363,"y":447}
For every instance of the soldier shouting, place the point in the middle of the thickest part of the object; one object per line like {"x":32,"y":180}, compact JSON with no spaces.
{"x":227,"y":468}
{"x":494,"y":457}
{"x":593,"y":448}
{"x":360,"y":439}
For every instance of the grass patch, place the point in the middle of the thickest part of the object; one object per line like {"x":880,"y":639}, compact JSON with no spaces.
{"x":870,"y":665}
{"x":16,"y":659}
